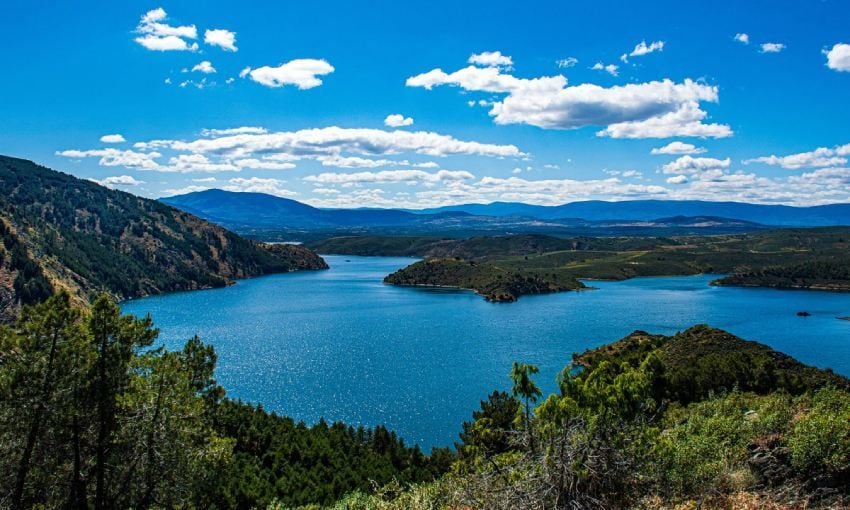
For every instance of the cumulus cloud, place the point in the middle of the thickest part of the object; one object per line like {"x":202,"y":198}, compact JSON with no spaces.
{"x":772,"y":47}
{"x":118,"y":180}
{"x":820,"y":157}
{"x":302,"y":73}
{"x":224,"y":39}
{"x":116,"y":138}
{"x":656,"y":109}
{"x":612,"y":69}
{"x":156,"y":35}
{"x":566,"y":62}
{"x":115,"y":157}
{"x":491,"y":59}
{"x":838,"y":58}
{"x":390,"y":176}
{"x":398,"y":120}
{"x":642,"y":49}
{"x":204,"y":66}
{"x":742,"y":38}
{"x":677,"y":179}
{"x":690,"y":165}
{"x":678,"y":147}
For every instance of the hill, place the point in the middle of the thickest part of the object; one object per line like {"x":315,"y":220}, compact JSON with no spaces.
{"x":644,"y":210}
{"x":60,"y":232}
{"x":268,"y":217}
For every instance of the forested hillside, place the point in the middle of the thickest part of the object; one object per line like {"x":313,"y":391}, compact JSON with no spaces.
{"x":60,"y":232}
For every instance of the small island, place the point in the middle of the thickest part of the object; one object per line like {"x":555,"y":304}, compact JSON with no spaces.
{"x":495,"y":283}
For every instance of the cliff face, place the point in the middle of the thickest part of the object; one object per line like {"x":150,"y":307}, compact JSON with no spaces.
{"x":60,"y":232}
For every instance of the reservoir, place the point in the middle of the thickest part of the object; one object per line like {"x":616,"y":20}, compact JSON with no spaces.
{"x":340,"y":344}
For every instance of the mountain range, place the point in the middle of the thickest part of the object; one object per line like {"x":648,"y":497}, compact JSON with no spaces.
{"x":259,"y":215}
{"x":61,"y":232}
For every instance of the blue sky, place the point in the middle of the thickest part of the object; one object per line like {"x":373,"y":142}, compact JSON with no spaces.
{"x":356,"y":104}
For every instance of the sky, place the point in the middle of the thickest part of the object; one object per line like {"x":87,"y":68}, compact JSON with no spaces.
{"x":424,"y":104}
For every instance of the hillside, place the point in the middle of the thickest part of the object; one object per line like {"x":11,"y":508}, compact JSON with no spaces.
{"x":828,"y":274}
{"x":60,"y":232}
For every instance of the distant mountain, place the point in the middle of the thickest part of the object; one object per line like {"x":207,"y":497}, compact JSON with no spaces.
{"x":60,"y":232}
{"x":256,"y":210}
{"x":645,"y":210}
{"x":267,"y":216}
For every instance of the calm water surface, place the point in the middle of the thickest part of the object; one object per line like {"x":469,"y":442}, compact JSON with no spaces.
{"x":340,"y":344}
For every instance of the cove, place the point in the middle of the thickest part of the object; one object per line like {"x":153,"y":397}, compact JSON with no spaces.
{"x":340,"y":344}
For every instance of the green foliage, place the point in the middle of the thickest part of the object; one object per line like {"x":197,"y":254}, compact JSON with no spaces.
{"x":492,"y":429}
{"x":278,"y":460}
{"x":820,"y":439}
{"x":89,"y":419}
{"x":706,"y":444}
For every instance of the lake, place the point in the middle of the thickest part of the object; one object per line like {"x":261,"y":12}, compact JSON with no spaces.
{"x":340,"y":344}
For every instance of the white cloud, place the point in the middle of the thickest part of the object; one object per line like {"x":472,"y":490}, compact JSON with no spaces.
{"x":160,"y":36}
{"x":391,"y":176}
{"x":205,"y":67}
{"x":656,"y":109}
{"x":185,"y":163}
{"x":611,"y":69}
{"x":302,"y":73}
{"x":263,"y":164}
{"x":566,"y":62}
{"x":677,"y":179}
{"x":334,"y":140}
{"x":398,"y":120}
{"x":772,"y":47}
{"x":116,"y":138}
{"x":259,"y":185}
{"x":243,"y":130}
{"x":742,"y":38}
{"x":820,"y":157}
{"x":115,"y":157}
{"x":838,"y":58}
{"x":695,"y":166}
{"x":491,"y":59}
{"x":205,"y":179}
{"x":224,"y":39}
{"x":118,"y":180}
{"x":642,"y":49}
{"x":678,"y":147}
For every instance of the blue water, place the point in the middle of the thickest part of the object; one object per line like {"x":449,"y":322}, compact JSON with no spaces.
{"x":341,"y":345}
